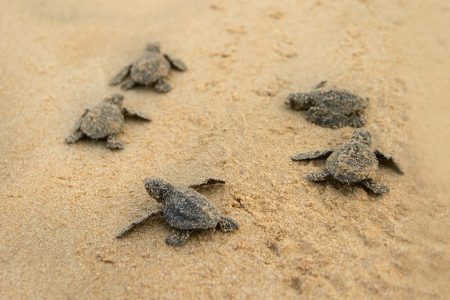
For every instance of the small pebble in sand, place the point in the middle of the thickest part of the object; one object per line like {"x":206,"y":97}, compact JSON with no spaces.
{"x":151,"y":69}
{"x":330,"y":108}
{"x":352,"y":162}
{"x":184,"y":209}
{"x":104,"y":121}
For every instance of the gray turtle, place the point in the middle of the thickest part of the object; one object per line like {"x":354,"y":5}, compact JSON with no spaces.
{"x":104,"y":121}
{"x":330,"y":108}
{"x":352,"y":162}
{"x":151,"y":69}
{"x":184,"y":209}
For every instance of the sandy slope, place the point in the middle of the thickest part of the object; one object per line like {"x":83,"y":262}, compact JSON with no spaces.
{"x":61,"y":205}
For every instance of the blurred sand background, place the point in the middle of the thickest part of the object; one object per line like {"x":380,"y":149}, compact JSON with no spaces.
{"x":61,"y":205}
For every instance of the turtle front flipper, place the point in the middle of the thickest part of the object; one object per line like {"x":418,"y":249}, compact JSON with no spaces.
{"x":207,"y":183}
{"x":227,"y":224}
{"x":128,"y":84}
{"x":162,"y":86}
{"x":135,"y":114}
{"x":388,"y":160}
{"x":77,"y":134}
{"x":113,"y":143}
{"x":177,"y":238}
{"x":321,"y":84}
{"x":176,"y":63}
{"x":120,"y":77}
{"x":137,"y":222}
{"x":312,"y":155}
{"x":74,"y":137}
{"x":376,"y":188}
{"x":318,"y":176}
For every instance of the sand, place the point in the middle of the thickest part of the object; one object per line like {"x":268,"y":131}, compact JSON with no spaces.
{"x":62,"y":205}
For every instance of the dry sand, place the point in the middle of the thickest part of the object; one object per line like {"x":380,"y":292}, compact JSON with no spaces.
{"x":61,"y":205}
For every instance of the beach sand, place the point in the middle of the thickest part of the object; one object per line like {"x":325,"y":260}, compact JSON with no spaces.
{"x":62,"y":205}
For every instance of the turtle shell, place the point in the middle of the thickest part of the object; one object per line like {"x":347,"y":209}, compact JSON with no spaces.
{"x":103,"y":120}
{"x":340,"y":102}
{"x":352,"y":162}
{"x":187,"y":209}
{"x":335,"y":108}
{"x":150,"y":68}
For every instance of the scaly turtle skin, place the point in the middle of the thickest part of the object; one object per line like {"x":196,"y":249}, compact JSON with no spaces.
{"x":151,"y":69}
{"x":184,"y":209}
{"x":104,"y":121}
{"x":352,"y":162}
{"x":330,"y":108}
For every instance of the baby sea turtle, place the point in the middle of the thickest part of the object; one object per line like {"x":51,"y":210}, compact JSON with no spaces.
{"x":330,"y":108}
{"x":151,"y":69}
{"x":184,"y":209}
{"x":104,"y":121}
{"x":352,"y":162}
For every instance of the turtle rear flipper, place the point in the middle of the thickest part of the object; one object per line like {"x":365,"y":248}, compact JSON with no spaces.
{"x":162,"y":86}
{"x":312,"y":155}
{"x":113,"y":143}
{"x":388,"y":160}
{"x":177,"y":238}
{"x":227,"y":224}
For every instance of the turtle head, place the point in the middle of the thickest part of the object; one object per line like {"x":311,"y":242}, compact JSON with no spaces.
{"x":153,"y":47}
{"x":300,"y":101}
{"x":362,"y":136}
{"x":115,"y":99}
{"x":158,"y":188}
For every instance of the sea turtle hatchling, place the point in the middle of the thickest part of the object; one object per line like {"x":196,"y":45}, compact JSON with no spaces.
{"x":104,"y":121}
{"x":330,"y":108}
{"x":352,"y":162}
{"x":184,"y":209}
{"x":151,"y":69}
